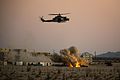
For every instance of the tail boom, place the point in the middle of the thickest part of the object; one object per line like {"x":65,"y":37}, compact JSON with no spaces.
{"x":45,"y":20}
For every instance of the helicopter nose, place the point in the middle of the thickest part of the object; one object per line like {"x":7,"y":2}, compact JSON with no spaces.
{"x":67,"y":19}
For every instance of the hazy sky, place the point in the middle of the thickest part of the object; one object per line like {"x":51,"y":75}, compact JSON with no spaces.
{"x":94,"y":25}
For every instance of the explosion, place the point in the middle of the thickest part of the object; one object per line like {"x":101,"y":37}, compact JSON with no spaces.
{"x":72,"y":57}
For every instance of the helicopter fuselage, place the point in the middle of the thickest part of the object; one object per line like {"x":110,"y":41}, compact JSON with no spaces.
{"x":57,"y":18}
{"x":60,"y":19}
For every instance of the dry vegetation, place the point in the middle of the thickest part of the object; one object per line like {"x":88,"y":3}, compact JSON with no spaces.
{"x":59,"y":73}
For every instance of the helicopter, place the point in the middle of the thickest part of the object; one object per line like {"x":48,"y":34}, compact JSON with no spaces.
{"x":58,"y":18}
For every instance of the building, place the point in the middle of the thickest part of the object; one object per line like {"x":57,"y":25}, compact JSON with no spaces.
{"x":37,"y":58}
{"x":3,"y":55}
{"x":87,"y":56}
{"x":23,"y":57}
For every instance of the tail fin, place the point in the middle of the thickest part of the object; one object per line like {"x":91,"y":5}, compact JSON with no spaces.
{"x":42,"y":19}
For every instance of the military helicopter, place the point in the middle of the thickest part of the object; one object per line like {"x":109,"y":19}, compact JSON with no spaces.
{"x":59,"y":18}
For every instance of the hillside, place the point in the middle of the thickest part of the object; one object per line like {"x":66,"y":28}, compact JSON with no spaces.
{"x":110,"y":55}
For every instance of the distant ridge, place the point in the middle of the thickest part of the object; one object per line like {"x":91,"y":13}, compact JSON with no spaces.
{"x":110,"y":55}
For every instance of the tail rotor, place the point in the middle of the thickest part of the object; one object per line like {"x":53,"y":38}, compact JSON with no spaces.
{"x":42,"y":19}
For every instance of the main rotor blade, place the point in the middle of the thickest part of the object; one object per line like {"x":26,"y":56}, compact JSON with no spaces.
{"x":59,"y":14}
{"x":65,"y":13}
{"x":53,"y":14}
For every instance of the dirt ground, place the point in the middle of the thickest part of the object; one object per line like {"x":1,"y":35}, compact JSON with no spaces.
{"x":94,"y":72}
